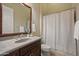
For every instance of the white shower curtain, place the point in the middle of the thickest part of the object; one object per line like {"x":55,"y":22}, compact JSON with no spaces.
{"x":66,"y":40}
{"x":58,"y":31}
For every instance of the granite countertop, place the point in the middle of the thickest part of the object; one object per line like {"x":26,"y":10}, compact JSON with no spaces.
{"x":10,"y":45}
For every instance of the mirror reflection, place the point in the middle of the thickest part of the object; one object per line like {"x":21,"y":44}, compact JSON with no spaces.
{"x":15,"y":18}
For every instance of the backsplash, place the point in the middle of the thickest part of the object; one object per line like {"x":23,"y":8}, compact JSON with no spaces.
{"x":9,"y":37}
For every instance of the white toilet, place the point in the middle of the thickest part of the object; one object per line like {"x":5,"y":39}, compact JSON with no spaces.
{"x":45,"y":49}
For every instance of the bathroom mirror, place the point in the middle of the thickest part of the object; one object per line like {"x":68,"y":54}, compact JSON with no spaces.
{"x":16,"y":18}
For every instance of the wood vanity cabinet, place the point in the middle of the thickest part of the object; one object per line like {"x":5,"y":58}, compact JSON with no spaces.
{"x":32,"y":49}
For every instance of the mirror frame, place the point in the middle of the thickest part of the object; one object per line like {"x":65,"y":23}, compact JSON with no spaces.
{"x":12,"y":34}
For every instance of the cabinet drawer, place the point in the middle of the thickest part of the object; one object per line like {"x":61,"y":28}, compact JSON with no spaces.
{"x":35,"y":51}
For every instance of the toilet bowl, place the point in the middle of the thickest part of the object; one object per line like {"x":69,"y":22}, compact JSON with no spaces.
{"x":45,"y":49}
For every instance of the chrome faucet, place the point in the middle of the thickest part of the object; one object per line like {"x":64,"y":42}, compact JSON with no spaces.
{"x":21,"y":35}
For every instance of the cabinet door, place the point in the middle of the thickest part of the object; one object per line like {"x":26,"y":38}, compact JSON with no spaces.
{"x":36,"y":49}
{"x":25,"y":51}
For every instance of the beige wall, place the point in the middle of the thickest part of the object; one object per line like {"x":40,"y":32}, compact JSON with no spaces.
{"x":36,"y":16}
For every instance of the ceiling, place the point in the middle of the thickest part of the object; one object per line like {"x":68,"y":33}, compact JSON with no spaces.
{"x":47,"y":8}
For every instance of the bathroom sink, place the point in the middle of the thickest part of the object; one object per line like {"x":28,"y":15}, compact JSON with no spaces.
{"x":21,"y":40}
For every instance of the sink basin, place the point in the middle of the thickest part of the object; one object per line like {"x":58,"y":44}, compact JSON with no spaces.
{"x":21,"y":40}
